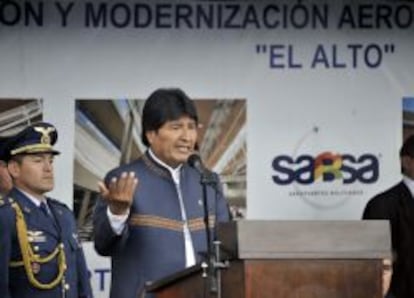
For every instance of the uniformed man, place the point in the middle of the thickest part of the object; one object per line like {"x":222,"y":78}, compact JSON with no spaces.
{"x":40,"y":255}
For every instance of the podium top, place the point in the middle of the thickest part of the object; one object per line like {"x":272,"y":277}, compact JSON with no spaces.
{"x":265,"y":239}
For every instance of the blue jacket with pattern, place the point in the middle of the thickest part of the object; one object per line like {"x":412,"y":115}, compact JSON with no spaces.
{"x":152,"y":244}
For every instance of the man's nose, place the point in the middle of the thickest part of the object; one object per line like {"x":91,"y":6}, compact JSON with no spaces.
{"x":186,"y":134}
{"x":48,"y":165}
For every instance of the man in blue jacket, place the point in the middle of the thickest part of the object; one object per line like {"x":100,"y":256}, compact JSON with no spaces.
{"x":150,"y":220}
{"x":40,"y":255}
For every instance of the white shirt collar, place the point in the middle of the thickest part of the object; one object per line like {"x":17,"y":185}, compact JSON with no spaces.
{"x":32,"y":198}
{"x":409,"y":183}
{"x":175,"y":173}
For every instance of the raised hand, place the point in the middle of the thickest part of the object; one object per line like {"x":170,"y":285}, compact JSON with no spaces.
{"x":119,"y":192}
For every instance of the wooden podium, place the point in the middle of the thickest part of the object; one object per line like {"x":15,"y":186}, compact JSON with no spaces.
{"x":291,"y":259}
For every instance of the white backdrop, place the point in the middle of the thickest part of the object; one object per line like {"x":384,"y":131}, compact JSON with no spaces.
{"x":348,"y":103}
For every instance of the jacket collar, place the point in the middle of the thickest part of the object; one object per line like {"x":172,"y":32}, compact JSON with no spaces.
{"x":34,"y":217}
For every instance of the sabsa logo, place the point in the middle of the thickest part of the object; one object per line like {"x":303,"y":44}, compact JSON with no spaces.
{"x":326,"y":167}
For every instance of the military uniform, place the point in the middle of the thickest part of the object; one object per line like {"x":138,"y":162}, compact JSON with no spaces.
{"x":152,"y":244}
{"x":44,"y":234}
{"x":40,"y":255}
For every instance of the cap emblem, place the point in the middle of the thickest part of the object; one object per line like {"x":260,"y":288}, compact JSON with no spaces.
{"x":45,"y":132}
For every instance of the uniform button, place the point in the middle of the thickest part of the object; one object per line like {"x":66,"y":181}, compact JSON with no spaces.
{"x":36,"y":248}
{"x":67,"y":287}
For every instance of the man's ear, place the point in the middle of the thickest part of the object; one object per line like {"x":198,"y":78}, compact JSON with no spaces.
{"x":407,"y":165}
{"x":150,"y":136}
{"x":14,"y":168}
{"x":404,"y":160}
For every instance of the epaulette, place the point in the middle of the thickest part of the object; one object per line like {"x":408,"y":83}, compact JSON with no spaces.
{"x":56,"y":202}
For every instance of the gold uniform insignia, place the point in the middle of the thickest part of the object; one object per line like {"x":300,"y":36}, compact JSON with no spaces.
{"x":45,"y":132}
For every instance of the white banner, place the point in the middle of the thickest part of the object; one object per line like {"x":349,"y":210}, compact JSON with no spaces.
{"x":322,"y":83}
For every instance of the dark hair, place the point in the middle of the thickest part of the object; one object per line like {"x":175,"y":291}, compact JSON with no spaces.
{"x":407,"y":148}
{"x":165,"y":105}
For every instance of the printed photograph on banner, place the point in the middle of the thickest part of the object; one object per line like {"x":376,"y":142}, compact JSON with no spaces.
{"x":408,"y":116}
{"x":108,"y":133}
{"x":18,"y":113}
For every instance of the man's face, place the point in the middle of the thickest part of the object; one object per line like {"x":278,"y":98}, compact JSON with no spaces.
{"x":34,"y":174}
{"x":5,"y":180}
{"x":407,"y":162}
{"x":386,"y":275}
{"x":174,"y":142}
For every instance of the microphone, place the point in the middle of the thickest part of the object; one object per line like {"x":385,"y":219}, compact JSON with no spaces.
{"x":195,"y":162}
{"x":207,"y":176}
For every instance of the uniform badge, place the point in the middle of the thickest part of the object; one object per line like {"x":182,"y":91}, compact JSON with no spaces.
{"x":35,"y":267}
{"x":45,"y":132}
{"x":36,"y":236}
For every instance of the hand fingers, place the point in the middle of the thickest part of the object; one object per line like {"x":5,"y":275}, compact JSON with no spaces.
{"x":121,"y":182}
{"x":122,"y":189}
{"x":112,"y":185}
{"x":103,"y":190}
{"x":130,"y":184}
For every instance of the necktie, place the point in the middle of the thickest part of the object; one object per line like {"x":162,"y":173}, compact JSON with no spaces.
{"x":48,"y":213}
{"x":44,"y":209}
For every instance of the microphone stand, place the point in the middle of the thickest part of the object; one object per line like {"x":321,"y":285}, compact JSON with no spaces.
{"x":209,"y":179}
